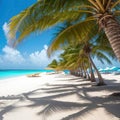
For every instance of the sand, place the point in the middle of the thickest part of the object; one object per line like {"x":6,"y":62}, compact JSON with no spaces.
{"x":58,"y":97}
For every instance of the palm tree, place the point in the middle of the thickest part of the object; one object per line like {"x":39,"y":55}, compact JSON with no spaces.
{"x":92,"y":47}
{"x":85,"y":14}
{"x":72,"y":60}
{"x":77,"y":56}
{"x":53,"y":65}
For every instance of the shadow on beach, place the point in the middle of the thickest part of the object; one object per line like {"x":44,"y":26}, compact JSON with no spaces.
{"x":55,"y":99}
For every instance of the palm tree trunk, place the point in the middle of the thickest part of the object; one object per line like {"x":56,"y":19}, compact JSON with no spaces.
{"x":77,"y":72}
{"x":92,"y":74}
{"x":112,"y":31}
{"x":101,"y":81}
{"x":81,"y":73}
{"x":88,"y":76}
{"x":85,"y":76}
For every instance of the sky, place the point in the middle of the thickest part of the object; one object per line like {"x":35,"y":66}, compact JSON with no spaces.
{"x":31,"y":52}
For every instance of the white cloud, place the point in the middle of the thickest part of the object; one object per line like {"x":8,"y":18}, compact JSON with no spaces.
{"x":12,"y":55}
{"x":40,"y":58}
{"x":45,"y":47}
{"x":6,"y":31}
{"x":7,"y":34}
{"x":5,"y":28}
{"x":13,"y":58}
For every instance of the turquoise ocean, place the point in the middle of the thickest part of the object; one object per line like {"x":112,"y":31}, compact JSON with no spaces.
{"x":14,"y":73}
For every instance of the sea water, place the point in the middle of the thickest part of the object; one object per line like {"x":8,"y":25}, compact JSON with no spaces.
{"x":14,"y":73}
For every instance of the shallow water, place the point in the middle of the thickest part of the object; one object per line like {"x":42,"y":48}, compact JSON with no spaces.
{"x":14,"y":73}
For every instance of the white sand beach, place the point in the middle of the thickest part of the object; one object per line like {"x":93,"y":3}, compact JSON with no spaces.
{"x":59,"y":97}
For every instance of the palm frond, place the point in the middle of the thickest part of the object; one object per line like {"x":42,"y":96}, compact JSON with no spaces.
{"x":78,"y":32}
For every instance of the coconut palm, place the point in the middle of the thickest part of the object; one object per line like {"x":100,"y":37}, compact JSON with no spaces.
{"x":77,"y":56}
{"x":85,"y":15}
{"x":53,"y":65}
{"x":72,"y":60}
{"x":97,"y":46}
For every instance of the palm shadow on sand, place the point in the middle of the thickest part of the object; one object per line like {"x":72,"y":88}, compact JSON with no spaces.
{"x":52,"y":105}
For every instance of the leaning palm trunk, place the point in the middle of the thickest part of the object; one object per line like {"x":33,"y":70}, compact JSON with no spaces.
{"x":92,"y":74}
{"x":81,"y":73}
{"x":84,"y":71}
{"x":77,"y":72}
{"x":101,"y":81}
{"x":112,"y":30}
{"x":88,"y":76}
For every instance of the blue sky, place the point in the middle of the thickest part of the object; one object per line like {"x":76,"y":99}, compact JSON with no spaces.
{"x":31,"y":53}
